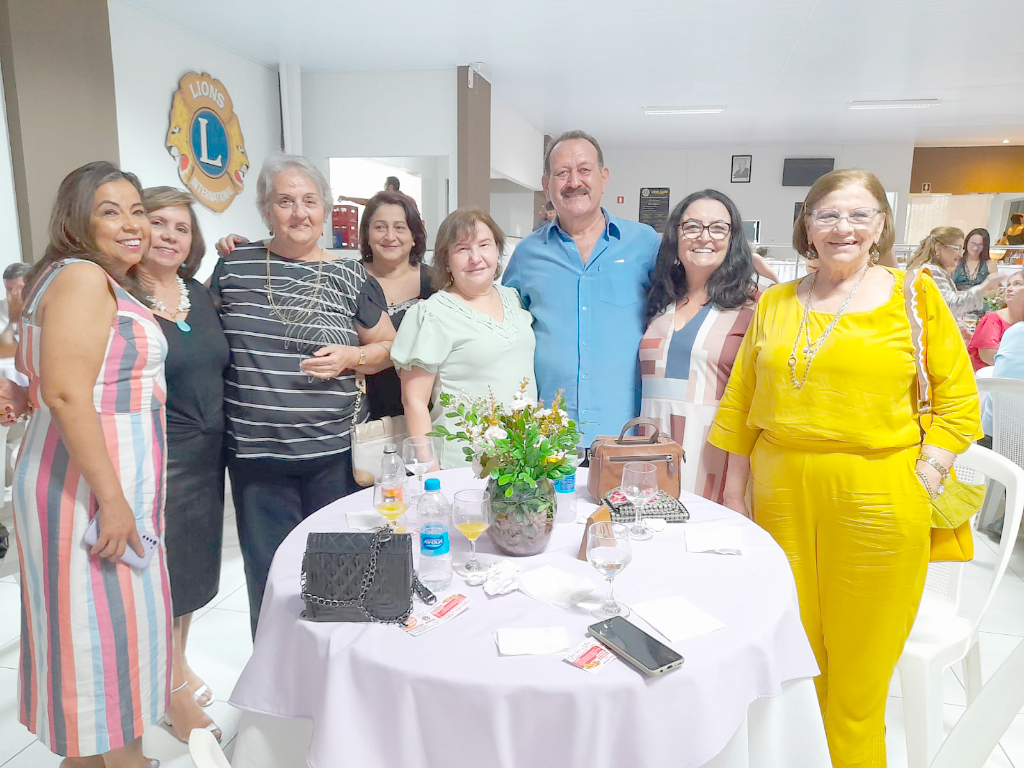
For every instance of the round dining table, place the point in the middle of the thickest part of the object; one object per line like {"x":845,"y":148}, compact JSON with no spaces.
{"x":331,"y":695}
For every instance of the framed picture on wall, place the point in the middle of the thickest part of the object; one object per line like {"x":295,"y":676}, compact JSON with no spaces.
{"x":740,"y":169}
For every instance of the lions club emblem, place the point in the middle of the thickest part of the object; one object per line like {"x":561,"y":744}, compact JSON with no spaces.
{"x":205,"y":139}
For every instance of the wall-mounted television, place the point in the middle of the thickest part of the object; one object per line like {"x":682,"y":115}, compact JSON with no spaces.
{"x":804,"y":171}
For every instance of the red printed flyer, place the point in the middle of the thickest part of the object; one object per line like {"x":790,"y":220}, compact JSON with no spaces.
{"x":590,"y":656}
{"x":440,"y":614}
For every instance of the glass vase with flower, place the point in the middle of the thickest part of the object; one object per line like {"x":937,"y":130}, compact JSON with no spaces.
{"x":521,"y":448}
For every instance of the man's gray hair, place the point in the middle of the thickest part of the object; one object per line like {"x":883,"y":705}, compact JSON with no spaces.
{"x":17,"y":270}
{"x":569,"y":136}
{"x":275,"y":165}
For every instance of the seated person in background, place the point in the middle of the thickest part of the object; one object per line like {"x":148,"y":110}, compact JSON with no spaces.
{"x":940,"y":251}
{"x":14,"y":282}
{"x":472,"y":337}
{"x":1009,"y":364}
{"x":990,"y":330}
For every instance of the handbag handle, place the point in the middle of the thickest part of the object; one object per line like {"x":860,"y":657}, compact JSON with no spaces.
{"x":640,"y":421}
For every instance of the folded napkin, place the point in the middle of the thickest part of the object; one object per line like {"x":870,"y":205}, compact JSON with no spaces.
{"x":676,"y":618}
{"x":499,"y":579}
{"x":538,"y":641}
{"x":714,"y":537}
{"x":554,"y":586}
{"x":364,"y":519}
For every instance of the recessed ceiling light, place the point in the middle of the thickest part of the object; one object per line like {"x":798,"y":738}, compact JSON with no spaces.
{"x":894,"y":104}
{"x":711,"y":110}
{"x":1006,"y":141}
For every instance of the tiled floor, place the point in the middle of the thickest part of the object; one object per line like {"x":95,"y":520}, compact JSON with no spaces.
{"x":220,"y":644}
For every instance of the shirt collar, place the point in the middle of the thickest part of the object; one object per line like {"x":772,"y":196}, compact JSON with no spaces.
{"x":611,"y":229}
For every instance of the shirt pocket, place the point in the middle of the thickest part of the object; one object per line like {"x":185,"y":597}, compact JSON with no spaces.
{"x":622,"y":283}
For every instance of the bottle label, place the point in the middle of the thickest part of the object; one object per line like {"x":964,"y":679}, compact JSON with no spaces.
{"x":433,"y":540}
{"x":566,"y":484}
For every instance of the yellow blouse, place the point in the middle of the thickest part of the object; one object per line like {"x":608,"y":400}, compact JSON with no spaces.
{"x":860,"y":394}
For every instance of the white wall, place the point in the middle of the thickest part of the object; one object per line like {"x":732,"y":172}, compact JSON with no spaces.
{"x":10,"y":238}
{"x":688,"y":170}
{"x":514,"y":212}
{"x":517,"y":148}
{"x":381,"y":114}
{"x":150,"y":56}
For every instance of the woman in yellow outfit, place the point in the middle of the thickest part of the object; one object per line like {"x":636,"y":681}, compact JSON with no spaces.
{"x":821,"y":411}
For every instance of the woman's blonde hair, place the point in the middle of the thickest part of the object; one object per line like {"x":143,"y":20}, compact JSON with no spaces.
{"x":927,"y":253}
{"x":155,"y":198}
{"x":459,"y":226}
{"x":828,"y":184}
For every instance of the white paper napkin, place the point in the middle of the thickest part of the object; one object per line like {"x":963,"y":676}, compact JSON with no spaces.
{"x":499,"y":579}
{"x":554,"y":586}
{"x":364,"y":519}
{"x":714,"y":537}
{"x":676,"y":618}
{"x":534,"y":641}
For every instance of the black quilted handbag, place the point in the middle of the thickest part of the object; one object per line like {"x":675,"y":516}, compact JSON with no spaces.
{"x":360,"y":577}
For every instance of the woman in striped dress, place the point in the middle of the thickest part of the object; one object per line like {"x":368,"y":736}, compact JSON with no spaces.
{"x":95,"y":666}
{"x":699,"y":305}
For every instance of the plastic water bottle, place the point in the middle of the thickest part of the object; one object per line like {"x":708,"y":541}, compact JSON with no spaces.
{"x":565,"y":493}
{"x":391,"y":466}
{"x":435,"y":515}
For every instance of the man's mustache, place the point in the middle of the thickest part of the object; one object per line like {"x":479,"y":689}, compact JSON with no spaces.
{"x":581,"y":190}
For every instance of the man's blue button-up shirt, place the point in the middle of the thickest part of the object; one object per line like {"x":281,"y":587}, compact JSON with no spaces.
{"x":588,"y":319}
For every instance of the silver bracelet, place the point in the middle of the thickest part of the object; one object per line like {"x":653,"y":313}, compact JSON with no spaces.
{"x":927,"y":485}
{"x":936,"y":465}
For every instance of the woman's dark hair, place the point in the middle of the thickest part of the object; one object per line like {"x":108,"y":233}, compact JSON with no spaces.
{"x":71,"y":234}
{"x":731,"y":285}
{"x":986,"y":241}
{"x":412,"y":218}
{"x":155,"y":198}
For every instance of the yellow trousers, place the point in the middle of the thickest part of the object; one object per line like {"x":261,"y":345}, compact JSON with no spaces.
{"x":855,"y":527}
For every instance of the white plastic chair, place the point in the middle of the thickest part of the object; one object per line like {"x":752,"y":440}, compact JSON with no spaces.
{"x":205,"y":751}
{"x":942,"y":635}
{"x":987,"y":719}
{"x":1007,"y":396}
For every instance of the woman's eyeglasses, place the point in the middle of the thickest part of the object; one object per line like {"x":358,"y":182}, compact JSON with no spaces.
{"x":829,"y":217}
{"x":717,"y":230}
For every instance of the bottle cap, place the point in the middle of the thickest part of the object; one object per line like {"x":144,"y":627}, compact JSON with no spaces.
{"x":432,"y":484}
{"x":390,"y":448}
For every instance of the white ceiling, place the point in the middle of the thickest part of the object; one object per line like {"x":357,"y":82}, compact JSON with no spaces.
{"x":785,"y":68}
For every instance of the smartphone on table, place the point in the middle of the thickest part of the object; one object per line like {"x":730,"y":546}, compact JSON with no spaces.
{"x":130,"y":556}
{"x":647,"y":654}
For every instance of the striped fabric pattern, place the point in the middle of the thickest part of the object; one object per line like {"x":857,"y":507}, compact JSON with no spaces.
{"x":95,"y":664}
{"x":273,"y":409}
{"x":683,"y":376}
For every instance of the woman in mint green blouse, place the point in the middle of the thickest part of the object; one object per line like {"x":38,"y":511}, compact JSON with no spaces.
{"x":472,"y":337}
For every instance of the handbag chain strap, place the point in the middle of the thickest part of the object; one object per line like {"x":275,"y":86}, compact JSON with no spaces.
{"x":380,"y":537}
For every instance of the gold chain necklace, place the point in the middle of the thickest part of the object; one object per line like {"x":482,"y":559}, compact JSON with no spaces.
{"x":814,"y":346}
{"x":297,"y":314}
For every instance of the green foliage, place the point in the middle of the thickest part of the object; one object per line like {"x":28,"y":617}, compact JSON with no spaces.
{"x":518,"y":444}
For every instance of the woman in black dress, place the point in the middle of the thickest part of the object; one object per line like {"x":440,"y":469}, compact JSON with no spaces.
{"x":392,"y":241}
{"x":196,"y":359}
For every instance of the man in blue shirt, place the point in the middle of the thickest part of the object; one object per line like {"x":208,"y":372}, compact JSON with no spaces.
{"x":583,"y":277}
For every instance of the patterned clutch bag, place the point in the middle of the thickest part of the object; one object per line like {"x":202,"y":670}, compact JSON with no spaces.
{"x":662,"y":505}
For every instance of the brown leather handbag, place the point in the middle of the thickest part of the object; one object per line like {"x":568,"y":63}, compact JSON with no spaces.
{"x":608,"y":455}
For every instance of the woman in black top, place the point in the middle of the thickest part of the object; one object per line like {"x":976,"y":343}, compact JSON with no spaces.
{"x":197,"y":356}
{"x":392,"y":240}
{"x":972,"y":269}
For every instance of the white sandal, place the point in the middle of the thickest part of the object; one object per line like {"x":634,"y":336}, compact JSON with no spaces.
{"x":211,"y":726}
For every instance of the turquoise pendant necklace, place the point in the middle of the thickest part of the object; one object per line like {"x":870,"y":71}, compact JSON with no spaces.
{"x":184,"y":305}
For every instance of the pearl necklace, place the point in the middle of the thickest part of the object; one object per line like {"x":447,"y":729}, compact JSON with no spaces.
{"x":184,"y":305}
{"x":812,"y":347}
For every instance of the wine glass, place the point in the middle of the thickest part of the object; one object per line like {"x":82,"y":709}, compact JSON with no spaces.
{"x":388,"y":501}
{"x":639,"y":484}
{"x":471,"y":514}
{"x":609,"y":551}
{"x":418,"y":455}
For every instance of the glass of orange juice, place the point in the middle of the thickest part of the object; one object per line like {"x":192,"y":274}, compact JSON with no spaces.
{"x":389,"y":501}
{"x":471,"y":514}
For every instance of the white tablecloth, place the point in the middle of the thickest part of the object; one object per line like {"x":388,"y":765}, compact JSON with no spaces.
{"x":378,"y":697}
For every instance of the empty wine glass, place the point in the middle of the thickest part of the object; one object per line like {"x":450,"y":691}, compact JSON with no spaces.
{"x":639,"y":485}
{"x":471,"y":514}
{"x":418,"y":455}
{"x":609,"y":551}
